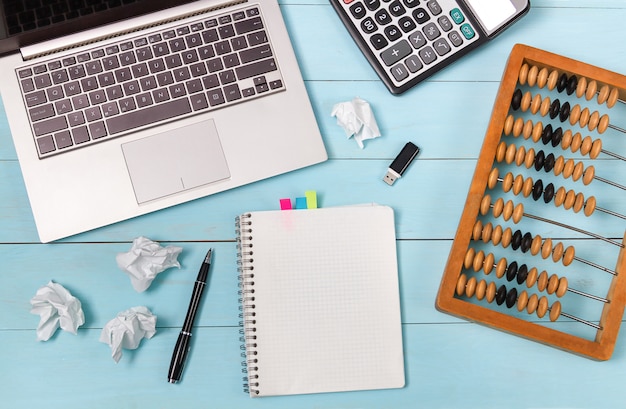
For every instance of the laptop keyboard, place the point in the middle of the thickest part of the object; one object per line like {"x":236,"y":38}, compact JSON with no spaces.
{"x":111,"y":90}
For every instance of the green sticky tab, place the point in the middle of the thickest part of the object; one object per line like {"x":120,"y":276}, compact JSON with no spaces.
{"x":311,"y":199}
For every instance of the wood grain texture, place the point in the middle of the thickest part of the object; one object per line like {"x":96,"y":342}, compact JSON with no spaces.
{"x":450,"y":363}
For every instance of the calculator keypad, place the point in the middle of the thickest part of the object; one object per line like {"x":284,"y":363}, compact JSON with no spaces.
{"x":408,"y":37}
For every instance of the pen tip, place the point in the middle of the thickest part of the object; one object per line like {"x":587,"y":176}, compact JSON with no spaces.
{"x":207,"y":258}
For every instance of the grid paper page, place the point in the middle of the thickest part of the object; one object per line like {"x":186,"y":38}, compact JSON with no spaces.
{"x":326,"y":300}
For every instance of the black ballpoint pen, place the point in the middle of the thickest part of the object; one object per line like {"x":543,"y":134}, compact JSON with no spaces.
{"x":183,"y":343}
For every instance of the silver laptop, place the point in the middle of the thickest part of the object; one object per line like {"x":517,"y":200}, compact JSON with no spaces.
{"x":122,"y":107}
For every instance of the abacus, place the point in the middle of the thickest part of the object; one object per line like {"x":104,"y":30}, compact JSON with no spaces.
{"x":525,"y":258}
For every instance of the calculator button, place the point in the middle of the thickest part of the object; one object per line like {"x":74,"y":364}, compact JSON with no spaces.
{"x":357,"y":10}
{"x":378,"y":41}
{"x":420,"y":15}
{"x":413,"y":63}
{"x":455,"y":38}
{"x":372,"y":4}
{"x":399,"y":72}
{"x":431,"y":31}
{"x":427,"y":55}
{"x":457,"y":16}
{"x":445,"y":23}
{"x":383,"y":17}
{"x":417,"y":40}
{"x":411,"y":3}
{"x":396,"y":52}
{"x":441,"y":46}
{"x":368,"y":26}
{"x":396,"y":8}
{"x":434,"y":7}
{"x":407,"y":24}
{"x":393,"y":33}
{"x":468,"y":31}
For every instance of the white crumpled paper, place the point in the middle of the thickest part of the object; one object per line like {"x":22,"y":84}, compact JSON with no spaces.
{"x":128,"y":329}
{"x":145,"y":260}
{"x":356,"y":118}
{"x":56,"y":307}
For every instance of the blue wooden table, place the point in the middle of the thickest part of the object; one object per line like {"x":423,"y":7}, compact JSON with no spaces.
{"x":449,"y":363}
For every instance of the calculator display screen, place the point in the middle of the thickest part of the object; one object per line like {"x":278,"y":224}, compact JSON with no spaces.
{"x":492,"y":13}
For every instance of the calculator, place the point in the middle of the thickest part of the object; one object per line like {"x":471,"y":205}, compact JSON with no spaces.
{"x":406,"y":41}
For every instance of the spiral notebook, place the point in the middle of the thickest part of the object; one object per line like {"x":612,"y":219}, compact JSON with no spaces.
{"x":320,"y":300}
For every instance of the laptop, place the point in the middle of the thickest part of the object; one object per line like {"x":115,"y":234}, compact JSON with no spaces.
{"x":119,"y":108}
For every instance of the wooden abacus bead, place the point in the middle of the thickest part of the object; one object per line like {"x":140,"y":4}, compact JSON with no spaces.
{"x":479,"y":259}
{"x":590,"y":206}
{"x":481,"y":289}
{"x":497,"y":234}
{"x":468,"y":261}
{"x":613,"y":98}
{"x":533,"y":274}
{"x":489,"y":263}
{"x":522,"y":301}
{"x":477,"y":231}
{"x":533,"y":302}
{"x":592,"y":89}
{"x":536,"y":245}
{"x":542,"y":308}
{"x":461,"y":282}
{"x":501,"y":267}
{"x":542,"y":281}
{"x":490,"y":294}
{"x":470,"y":287}
{"x":581,"y":88}
{"x":532,"y":76}
{"x":507,"y":234}
{"x":523,"y":74}
{"x":555,"y":311}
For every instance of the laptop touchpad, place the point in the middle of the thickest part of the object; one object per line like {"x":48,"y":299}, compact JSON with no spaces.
{"x":175,"y":161}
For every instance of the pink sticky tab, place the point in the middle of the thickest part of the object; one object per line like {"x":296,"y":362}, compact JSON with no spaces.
{"x":285,"y":204}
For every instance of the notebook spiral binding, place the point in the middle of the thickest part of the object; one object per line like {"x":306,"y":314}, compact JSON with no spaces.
{"x":243,"y":225}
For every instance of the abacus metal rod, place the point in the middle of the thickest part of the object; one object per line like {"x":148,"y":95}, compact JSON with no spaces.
{"x":582,"y":321}
{"x":597,"y":236}
{"x":593,"y":297}
{"x":612,"y":213}
{"x":613,"y":154}
{"x":617,"y":128}
{"x":617,"y":185}
{"x":592,"y":264}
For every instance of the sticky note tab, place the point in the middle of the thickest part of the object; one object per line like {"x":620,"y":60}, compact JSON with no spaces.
{"x":300,"y":202}
{"x":285,"y":204}
{"x":311,"y":199}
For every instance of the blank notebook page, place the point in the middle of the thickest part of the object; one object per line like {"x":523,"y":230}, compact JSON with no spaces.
{"x":327,"y":309}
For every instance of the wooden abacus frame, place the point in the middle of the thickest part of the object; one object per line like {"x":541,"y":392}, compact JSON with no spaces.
{"x":602,"y":347}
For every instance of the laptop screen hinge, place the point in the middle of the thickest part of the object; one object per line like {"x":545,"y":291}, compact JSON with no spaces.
{"x":121,"y":28}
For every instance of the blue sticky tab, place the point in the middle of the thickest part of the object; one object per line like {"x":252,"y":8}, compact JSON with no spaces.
{"x":301,"y":203}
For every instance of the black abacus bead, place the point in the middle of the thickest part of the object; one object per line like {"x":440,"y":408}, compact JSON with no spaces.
{"x":516,"y":101}
{"x":522,"y":274}
{"x":537,"y":189}
{"x":565,"y":110}
{"x":516,"y":240}
{"x":527,"y":241}
{"x":572,"y":84}
{"x":557,"y":137}
{"x":546,"y":135}
{"x":501,"y":295}
{"x":555,"y":108}
{"x":548,"y":193}
{"x":540,"y":157}
{"x":549,"y":162}
{"x":561,"y":83}
{"x":511,"y":297}
{"x":511,"y":271}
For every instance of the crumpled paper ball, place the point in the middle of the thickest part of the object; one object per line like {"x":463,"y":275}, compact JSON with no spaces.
{"x":145,"y":260}
{"x":127,"y":330}
{"x":356,"y":118}
{"x":56,"y":308}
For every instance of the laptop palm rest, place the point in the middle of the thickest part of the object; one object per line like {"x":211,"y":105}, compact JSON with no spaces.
{"x":175,"y":161}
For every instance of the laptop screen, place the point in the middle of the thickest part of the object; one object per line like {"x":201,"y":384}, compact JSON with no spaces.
{"x":25,"y":22}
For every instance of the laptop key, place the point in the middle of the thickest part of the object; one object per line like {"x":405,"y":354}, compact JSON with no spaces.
{"x":147,"y":116}
{"x":256,"y":68}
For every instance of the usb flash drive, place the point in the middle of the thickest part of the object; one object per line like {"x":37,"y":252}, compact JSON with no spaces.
{"x":401,"y":162}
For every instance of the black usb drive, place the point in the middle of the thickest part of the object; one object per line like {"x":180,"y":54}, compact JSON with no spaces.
{"x":401,"y":162}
